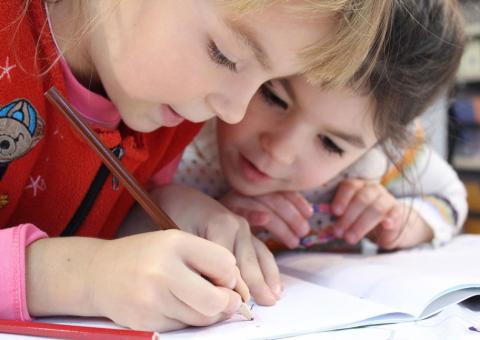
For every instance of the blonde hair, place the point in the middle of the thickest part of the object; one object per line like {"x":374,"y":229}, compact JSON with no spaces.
{"x":361,"y":32}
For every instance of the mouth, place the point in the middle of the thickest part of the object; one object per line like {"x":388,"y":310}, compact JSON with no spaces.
{"x":170,"y":117}
{"x":250,"y":171}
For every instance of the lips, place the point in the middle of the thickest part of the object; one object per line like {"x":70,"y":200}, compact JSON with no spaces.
{"x":170,"y":117}
{"x":250,"y":171}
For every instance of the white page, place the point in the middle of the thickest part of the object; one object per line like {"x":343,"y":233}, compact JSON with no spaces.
{"x":308,"y":308}
{"x":406,"y":281}
{"x":304,"y":308}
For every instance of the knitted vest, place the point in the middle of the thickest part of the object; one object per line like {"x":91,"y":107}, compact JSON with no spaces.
{"x":49,"y":176}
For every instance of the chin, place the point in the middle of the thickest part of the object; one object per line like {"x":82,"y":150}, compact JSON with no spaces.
{"x":248,"y":189}
{"x":142,"y":126}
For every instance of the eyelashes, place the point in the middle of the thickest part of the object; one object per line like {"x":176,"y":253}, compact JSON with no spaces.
{"x":219,"y":58}
{"x":273,"y":100}
{"x":330,"y":146}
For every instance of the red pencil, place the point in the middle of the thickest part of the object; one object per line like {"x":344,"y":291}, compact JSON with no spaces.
{"x":59,"y":331}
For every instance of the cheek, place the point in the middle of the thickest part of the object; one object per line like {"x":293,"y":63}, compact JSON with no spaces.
{"x":155,"y":78}
{"x":315,"y":173}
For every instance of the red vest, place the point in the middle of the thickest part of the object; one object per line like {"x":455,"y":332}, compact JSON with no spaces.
{"x":48,"y":175}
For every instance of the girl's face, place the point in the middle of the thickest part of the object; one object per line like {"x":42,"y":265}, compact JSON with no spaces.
{"x":295,"y":137}
{"x":164,"y":61}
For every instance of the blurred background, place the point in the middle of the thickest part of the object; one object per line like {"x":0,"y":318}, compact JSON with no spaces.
{"x":456,"y":125}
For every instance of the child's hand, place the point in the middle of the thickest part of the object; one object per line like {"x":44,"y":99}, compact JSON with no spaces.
{"x":152,"y":281}
{"x":161,"y":280}
{"x":284,"y":214}
{"x":364,"y":208}
{"x":201,"y":215}
{"x":410,"y":231}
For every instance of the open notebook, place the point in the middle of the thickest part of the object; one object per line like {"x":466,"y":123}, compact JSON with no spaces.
{"x":335,"y":291}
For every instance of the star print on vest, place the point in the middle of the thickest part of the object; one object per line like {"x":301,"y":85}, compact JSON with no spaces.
{"x":21,"y":128}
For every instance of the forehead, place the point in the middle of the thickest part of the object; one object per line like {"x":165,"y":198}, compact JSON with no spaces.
{"x":284,"y":32}
{"x":340,"y":107}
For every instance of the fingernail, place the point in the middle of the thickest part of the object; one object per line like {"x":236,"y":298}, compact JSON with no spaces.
{"x":232,"y":283}
{"x":293,"y":243}
{"x":351,"y":237}
{"x":305,"y":229}
{"x":338,"y":209}
{"x":338,"y":231}
{"x":277,"y":290}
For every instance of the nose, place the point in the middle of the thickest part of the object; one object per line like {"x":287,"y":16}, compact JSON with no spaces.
{"x":282,"y":143}
{"x":230,"y":103}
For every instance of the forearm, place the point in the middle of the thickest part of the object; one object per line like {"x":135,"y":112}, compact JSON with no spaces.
{"x":58,"y":276}
{"x":432,"y":188}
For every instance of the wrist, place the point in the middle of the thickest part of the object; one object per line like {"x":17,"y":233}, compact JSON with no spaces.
{"x":59,"y":279}
{"x":417,"y":231}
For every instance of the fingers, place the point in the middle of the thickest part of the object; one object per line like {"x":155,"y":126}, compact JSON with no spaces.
{"x":222,"y":229}
{"x":250,"y":268}
{"x":284,"y":214}
{"x":352,"y":198}
{"x":158,"y":282}
{"x":269,"y":267}
{"x":281,"y":231}
{"x":389,"y":236}
{"x":254,"y":217}
{"x":300,"y":202}
{"x":364,"y":207}
{"x":368,"y":219}
{"x":204,"y":305}
{"x":288,"y":211}
{"x":216,"y":262}
{"x":253,"y":211}
{"x":242,"y":288}
{"x":344,"y":194}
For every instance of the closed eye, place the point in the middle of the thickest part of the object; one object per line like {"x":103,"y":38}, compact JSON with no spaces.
{"x":329,"y":145}
{"x":219,"y":58}
{"x":271,"y":98}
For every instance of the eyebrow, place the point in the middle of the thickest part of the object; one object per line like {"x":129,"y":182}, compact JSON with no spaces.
{"x":249,"y":38}
{"x":354,"y":140}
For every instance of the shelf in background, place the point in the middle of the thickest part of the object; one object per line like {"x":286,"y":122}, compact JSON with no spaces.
{"x":470,"y":66}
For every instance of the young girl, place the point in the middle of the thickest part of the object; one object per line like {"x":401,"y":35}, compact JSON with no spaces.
{"x":331,"y":143}
{"x":132,"y":67}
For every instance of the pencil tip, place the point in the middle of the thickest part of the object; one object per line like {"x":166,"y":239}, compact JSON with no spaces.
{"x":245,"y":311}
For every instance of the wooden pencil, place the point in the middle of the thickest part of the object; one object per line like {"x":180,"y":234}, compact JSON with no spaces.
{"x":62,"y":331}
{"x":161,"y":219}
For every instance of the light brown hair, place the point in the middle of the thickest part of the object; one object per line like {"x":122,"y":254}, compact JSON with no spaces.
{"x":361,"y":31}
{"x":420,"y":59}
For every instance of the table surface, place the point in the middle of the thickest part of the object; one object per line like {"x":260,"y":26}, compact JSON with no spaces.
{"x":455,"y":322}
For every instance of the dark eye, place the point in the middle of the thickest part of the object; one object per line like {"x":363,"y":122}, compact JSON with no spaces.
{"x":271,"y":98}
{"x":330,"y":146}
{"x":218,"y":57}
